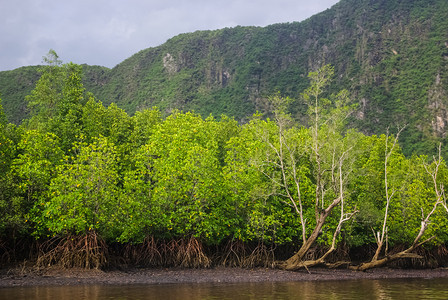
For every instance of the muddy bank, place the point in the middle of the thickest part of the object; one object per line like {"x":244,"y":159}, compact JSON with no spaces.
{"x":58,"y":277}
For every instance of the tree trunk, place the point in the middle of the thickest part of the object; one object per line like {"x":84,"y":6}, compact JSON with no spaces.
{"x":296,"y":261}
{"x":381,"y":262}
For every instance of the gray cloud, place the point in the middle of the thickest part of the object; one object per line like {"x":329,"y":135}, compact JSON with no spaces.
{"x":105,"y":32}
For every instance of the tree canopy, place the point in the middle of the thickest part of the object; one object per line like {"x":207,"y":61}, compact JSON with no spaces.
{"x":78,"y":172}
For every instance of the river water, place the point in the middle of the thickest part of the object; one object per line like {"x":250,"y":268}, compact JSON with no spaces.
{"x":407,"y":289}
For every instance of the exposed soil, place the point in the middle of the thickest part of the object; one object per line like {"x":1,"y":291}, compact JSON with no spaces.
{"x":61,"y":277}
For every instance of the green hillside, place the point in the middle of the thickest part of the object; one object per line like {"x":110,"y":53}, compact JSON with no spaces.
{"x":391,"y":55}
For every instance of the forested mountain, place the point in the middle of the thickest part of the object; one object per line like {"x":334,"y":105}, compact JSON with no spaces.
{"x":86,"y":184}
{"x":391,"y":55}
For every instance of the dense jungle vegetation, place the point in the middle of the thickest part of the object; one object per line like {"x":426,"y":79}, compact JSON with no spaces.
{"x":392,"y":55}
{"x":84,"y":184}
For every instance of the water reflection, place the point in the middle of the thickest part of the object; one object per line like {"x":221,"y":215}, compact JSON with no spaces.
{"x":351,"y":289}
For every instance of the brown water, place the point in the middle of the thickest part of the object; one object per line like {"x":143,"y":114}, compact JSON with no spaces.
{"x":406,"y":289}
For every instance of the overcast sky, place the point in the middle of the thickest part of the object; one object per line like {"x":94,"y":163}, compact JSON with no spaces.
{"x":105,"y":32}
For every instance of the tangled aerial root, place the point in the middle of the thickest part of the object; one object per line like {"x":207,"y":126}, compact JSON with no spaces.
{"x":5,"y":256}
{"x":187,"y":253}
{"x":147,"y":253}
{"x":261,"y":256}
{"x":79,"y":251}
{"x":238,"y":254}
{"x":234,"y":254}
{"x":190,"y":254}
{"x":426,"y":257}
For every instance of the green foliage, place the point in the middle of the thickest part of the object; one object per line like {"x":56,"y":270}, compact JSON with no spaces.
{"x":57,"y":99}
{"x":83,"y":196}
{"x":79,"y":167}
{"x":2,"y":115}
{"x":11,"y":212}
{"x":263,"y":215}
{"x":28,"y":166}
{"x":111,"y":122}
{"x":144,"y":126}
{"x":15,"y":85}
{"x":34,"y":166}
{"x":417,"y":198}
{"x":369,"y":186}
{"x":188,"y":180}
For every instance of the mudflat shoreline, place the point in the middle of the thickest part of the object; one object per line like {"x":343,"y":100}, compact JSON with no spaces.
{"x":64,"y":277}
